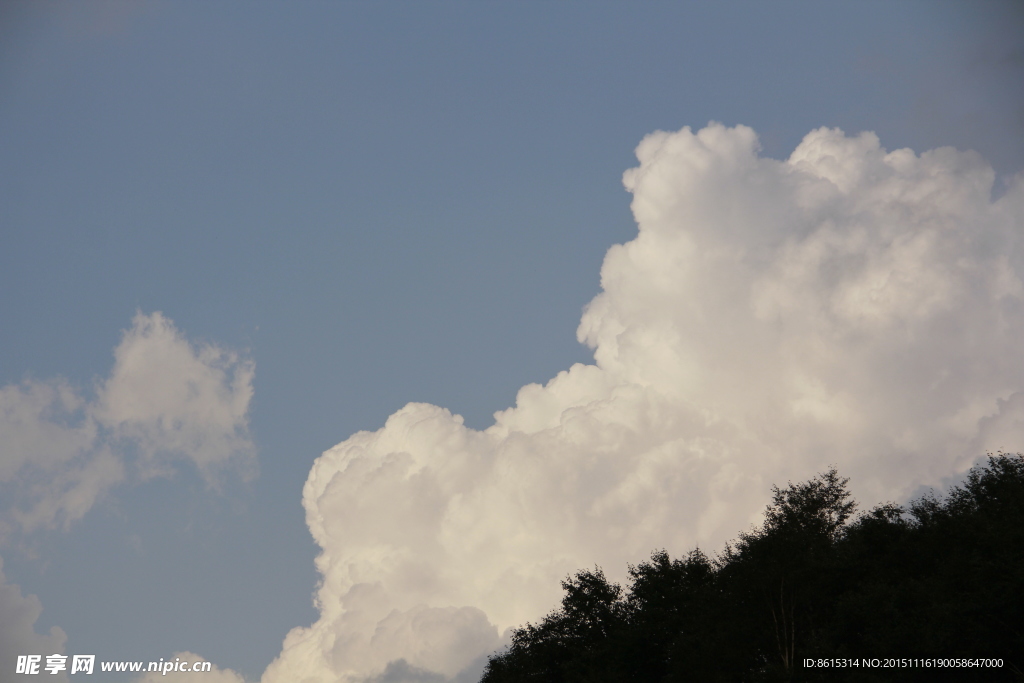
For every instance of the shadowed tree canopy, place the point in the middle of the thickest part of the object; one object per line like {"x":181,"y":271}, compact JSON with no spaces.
{"x":938,"y":578}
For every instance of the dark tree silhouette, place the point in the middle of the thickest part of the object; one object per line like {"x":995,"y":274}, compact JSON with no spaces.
{"x":939,"y":578}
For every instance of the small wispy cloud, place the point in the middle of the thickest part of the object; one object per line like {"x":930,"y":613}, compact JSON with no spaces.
{"x":165,"y":401}
{"x":214,"y":675}
{"x":18,"y":637}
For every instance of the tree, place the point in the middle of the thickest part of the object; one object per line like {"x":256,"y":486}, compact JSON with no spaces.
{"x":782,"y":570}
{"x":563,"y":646}
{"x":939,"y":578}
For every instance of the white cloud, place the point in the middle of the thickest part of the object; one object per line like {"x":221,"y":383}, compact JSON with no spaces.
{"x":214,"y":675}
{"x":848,"y":305}
{"x":18,"y":616}
{"x":169,"y":398}
{"x":164,"y":401}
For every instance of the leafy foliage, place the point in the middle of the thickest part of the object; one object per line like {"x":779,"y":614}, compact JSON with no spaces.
{"x":939,"y":578}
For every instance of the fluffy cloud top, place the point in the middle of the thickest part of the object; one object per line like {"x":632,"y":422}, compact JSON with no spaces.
{"x":848,"y":305}
{"x":164,"y":401}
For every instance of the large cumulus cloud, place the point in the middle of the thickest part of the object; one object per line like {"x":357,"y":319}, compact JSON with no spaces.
{"x":848,"y":305}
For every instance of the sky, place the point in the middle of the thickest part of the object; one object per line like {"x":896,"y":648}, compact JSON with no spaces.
{"x":335,"y":335}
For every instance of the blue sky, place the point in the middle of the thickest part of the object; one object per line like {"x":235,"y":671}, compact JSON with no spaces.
{"x":377,"y":204}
